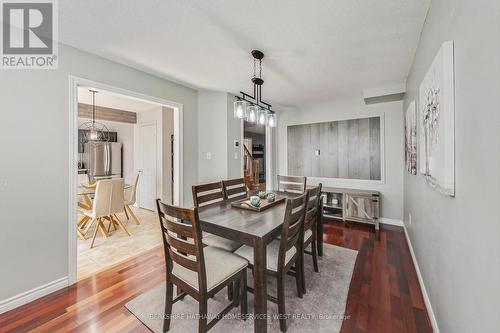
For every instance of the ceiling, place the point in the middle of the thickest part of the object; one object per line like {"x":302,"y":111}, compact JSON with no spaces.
{"x":315,"y":51}
{"x":115,"y":101}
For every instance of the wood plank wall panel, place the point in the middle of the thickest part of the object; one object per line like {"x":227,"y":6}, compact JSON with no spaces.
{"x":104,"y":113}
{"x":349,"y":149}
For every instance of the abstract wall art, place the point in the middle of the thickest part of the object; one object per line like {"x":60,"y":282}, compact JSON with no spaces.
{"x":411,"y":139}
{"x":437,"y":122}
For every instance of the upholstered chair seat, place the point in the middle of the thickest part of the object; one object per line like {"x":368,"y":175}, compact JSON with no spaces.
{"x":273,"y":249}
{"x":219,"y":265}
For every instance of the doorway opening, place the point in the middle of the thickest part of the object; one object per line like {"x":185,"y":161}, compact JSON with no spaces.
{"x":139,"y":150}
{"x":255,"y":156}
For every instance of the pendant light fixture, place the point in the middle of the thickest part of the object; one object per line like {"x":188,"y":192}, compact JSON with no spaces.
{"x":251,"y":107}
{"x":94,"y":131}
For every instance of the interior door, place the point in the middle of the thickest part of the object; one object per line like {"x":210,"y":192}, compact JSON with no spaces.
{"x":147,"y":166}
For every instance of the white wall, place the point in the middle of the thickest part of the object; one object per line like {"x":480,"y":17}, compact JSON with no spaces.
{"x":125,"y":133}
{"x":392,"y":188}
{"x":457,"y":240}
{"x":234,"y":126}
{"x":34,"y":179}
{"x":212,"y":136}
{"x":217,"y":130}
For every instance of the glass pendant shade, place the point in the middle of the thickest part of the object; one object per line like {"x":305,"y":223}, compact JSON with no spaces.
{"x":271,"y":120}
{"x":240,"y":109}
{"x":252,"y":113}
{"x":262,"y":117}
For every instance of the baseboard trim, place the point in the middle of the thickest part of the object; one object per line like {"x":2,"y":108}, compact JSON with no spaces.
{"x":33,"y":294}
{"x":395,"y":222}
{"x":427,"y":300}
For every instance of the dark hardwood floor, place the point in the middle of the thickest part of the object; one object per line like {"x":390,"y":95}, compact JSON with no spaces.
{"x":384,"y":295}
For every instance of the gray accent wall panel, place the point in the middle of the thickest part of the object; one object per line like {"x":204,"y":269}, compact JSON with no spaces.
{"x":349,"y":149}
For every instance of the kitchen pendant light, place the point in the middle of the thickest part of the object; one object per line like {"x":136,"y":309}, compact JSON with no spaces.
{"x":271,"y":120}
{"x":93,"y":130}
{"x":252,"y":114}
{"x":252,"y":107}
{"x":262,"y":120}
{"x":240,"y":109}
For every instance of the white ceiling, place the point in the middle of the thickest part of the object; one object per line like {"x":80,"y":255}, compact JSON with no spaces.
{"x":315,"y":51}
{"x":115,"y":101}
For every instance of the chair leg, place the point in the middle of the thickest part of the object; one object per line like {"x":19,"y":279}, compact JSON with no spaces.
{"x":83,"y":221}
{"x":302,"y":272}
{"x":230,"y":289}
{"x":136,"y":220}
{"x":102,"y":228}
{"x":243,"y":295}
{"x":117,"y":221}
{"x":281,"y":301}
{"x":80,"y":234}
{"x":95,"y":234}
{"x":126,"y":214}
{"x":169,"y":296}
{"x":202,"y":322}
{"x":88,"y":226}
{"x":298,"y":277}
{"x":315,"y":255}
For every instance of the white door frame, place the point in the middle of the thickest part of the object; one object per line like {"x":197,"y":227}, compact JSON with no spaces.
{"x":74,"y":82}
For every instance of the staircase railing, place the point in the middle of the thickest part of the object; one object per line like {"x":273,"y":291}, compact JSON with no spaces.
{"x":250,"y":169}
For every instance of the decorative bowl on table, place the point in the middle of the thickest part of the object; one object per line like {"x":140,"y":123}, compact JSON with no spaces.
{"x":262,"y":194}
{"x":271,"y":197}
{"x":255,"y":201}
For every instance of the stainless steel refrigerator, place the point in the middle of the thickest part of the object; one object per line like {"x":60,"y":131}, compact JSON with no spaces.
{"x":103,"y":160}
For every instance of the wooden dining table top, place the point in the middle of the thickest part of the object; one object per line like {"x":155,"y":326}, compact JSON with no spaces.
{"x":241,"y":224}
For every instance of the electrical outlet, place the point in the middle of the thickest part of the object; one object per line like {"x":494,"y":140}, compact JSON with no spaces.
{"x":209,"y":155}
{"x":409,"y":218}
{"x":236,"y":156}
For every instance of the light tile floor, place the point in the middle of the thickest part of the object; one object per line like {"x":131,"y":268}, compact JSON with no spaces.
{"x":119,"y":247}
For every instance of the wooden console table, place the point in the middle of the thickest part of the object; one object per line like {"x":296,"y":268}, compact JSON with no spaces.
{"x":349,"y":204}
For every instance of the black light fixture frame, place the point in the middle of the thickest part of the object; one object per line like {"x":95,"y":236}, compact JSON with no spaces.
{"x":256,"y":98}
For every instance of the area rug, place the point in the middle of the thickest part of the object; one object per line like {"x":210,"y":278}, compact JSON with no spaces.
{"x":320,"y":310}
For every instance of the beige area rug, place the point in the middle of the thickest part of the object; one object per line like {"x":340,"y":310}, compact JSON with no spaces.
{"x":321,"y":310}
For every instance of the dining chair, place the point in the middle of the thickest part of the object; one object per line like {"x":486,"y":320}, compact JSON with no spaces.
{"x":310,"y":231}
{"x":209,"y":194}
{"x":84,"y":203}
{"x":292,"y":184}
{"x":198,"y":271}
{"x":130,"y":199}
{"x":285,"y":253}
{"x":234,"y":189}
{"x":108,"y":201}
{"x":117,"y":199}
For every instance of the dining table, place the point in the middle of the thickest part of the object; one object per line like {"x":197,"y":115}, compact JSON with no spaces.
{"x":256,"y":229}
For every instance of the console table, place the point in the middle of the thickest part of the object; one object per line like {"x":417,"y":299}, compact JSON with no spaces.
{"x":349,"y":204}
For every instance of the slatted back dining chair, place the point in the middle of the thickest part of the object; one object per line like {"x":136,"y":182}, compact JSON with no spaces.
{"x":212,"y":194}
{"x":206,"y":194}
{"x":291,"y":236}
{"x":234,"y":189}
{"x":310,"y":230}
{"x":284,"y":253}
{"x":292,"y":184}
{"x":199,"y":272}
{"x":130,"y":199}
